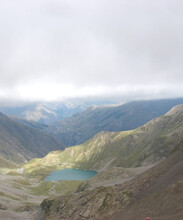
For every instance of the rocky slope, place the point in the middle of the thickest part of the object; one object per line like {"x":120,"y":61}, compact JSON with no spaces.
{"x":161,"y":195}
{"x":82,"y":126}
{"x":157,"y":193}
{"x":19,"y":143}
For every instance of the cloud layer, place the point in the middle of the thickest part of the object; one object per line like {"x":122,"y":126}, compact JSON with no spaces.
{"x":55,"y":49}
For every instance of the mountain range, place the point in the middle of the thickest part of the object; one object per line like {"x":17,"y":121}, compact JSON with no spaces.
{"x":80,"y":127}
{"x":48,"y":113}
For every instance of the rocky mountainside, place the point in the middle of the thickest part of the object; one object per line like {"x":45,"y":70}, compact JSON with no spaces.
{"x":157,"y":192}
{"x":80,"y":127}
{"x":19,"y":143}
{"x":161,"y":192}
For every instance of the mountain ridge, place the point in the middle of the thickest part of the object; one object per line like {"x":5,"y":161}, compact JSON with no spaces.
{"x":80,"y":127}
{"x":48,"y":113}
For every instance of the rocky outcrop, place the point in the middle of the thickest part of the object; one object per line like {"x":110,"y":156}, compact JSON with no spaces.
{"x":102,"y":201}
{"x":2,"y":207}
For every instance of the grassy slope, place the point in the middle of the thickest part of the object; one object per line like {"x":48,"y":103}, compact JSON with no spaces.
{"x":145,"y":145}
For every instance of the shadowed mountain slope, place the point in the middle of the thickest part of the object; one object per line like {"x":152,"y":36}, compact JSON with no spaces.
{"x":19,"y":143}
{"x":80,"y":127}
{"x":32,"y":124}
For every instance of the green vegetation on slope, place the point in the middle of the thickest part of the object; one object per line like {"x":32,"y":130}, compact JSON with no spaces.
{"x":145,"y":145}
{"x":56,"y":187}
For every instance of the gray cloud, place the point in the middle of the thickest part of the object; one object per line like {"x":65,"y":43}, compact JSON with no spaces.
{"x":134,"y":46}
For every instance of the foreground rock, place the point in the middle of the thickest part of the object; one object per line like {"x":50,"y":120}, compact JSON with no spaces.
{"x":2,"y":207}
{"x":90,"y":204}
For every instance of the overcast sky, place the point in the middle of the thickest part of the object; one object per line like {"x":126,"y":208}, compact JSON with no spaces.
{"x":56,"y":49}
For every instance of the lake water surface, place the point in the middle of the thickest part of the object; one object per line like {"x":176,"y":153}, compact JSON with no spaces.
{"x":70,"y":174}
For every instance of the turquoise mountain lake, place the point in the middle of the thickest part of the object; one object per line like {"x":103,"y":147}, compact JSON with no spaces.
{"x":70,"y":174}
